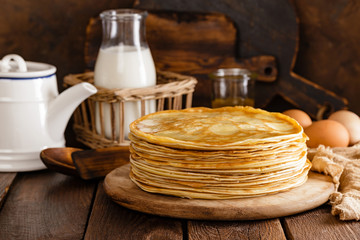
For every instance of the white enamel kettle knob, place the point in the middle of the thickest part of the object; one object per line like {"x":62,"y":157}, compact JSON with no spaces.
{"x":5,"y":63}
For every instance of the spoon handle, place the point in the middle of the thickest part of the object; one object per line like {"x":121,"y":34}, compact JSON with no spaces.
{"x":97,"y":163}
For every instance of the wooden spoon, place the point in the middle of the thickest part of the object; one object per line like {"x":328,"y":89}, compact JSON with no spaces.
{"x":59,"y":160}
{"x":99,"y":162}
{"x":86,"y":164}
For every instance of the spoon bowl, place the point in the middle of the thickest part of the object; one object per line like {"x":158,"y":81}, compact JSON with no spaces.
{"x":60,"y":160}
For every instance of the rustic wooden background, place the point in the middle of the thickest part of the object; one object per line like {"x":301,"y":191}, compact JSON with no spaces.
{"x":329,"y":46}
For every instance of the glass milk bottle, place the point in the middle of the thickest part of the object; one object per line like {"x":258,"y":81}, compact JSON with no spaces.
{"x":124,"y":61}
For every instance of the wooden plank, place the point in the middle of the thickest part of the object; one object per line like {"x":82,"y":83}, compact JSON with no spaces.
{"x":180,"y":42}
{"x":111,"y":221}
{"x":6,"y":179}
{"x":320,"y":224}
{"x":46,"y":205}
{"x":266,"y":229}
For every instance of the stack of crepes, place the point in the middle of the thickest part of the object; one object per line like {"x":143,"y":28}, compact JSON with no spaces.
{"x":223,"y":153}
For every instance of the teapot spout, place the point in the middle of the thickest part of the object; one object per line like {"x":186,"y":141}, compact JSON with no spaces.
{"x":62,"y":107}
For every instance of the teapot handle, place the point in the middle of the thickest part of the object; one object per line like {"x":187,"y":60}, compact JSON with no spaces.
{"x":5,"y":63}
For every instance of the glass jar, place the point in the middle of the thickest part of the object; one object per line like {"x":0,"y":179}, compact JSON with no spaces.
{"x":232,"y":87}
{"x":124,"y":61}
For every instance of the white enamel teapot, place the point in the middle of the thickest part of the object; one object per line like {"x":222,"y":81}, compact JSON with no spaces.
{"x":33,"y":116}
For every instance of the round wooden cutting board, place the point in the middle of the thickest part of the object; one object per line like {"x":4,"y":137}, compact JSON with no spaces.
{"x":312,"y":194}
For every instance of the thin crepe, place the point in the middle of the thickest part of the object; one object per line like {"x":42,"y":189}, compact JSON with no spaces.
{"x":230,"y":152}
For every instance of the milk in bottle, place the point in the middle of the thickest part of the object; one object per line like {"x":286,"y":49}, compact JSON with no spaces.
{"x":124,"y":61}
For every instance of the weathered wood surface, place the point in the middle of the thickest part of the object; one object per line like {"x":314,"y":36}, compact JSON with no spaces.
{"x":45,"y":205}
{"x":111,"y":221}
{"x":48,"y":205}
{"x":320,"y":224}
{"x":271,"y":28}
{"x":269,"y":229}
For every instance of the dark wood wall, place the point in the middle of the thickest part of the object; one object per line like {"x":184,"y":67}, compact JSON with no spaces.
{"x":50,"y":31}
{"x":329,"y":49}
{"x":329,"y":46}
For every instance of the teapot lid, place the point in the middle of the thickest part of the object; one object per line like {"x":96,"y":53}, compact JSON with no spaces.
{"x":13,"y":66}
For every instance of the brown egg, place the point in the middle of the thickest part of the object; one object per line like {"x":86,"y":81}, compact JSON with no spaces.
{"x":300,"y":116}
{"x":327,"y":132}
{"x":351,"y":121}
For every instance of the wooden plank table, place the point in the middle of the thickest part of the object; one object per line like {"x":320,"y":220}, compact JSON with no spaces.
{"x":49,"y":205}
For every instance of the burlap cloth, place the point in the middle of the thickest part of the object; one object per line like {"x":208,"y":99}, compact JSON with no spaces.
{"x":343,"y":165}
